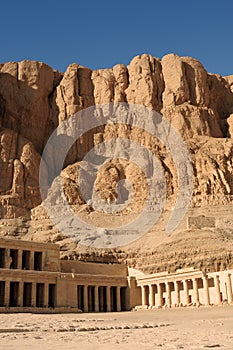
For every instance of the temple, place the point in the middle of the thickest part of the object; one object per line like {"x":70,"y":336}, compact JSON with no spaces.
{"x":186,"y":287}
{"x":34,"y":279}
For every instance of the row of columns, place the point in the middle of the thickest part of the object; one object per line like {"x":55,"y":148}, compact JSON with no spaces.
{"x":8,"y":259}
{"x":20,"y":294}
{"x":99,"y":298}
{"x":34,"y":294}
{"x":186,"y":300}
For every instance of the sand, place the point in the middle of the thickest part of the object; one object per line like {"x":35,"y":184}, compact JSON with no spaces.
{"x":186,"y":328}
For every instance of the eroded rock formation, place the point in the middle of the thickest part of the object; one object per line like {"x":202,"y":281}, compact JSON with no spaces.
{"x":35,"y":99}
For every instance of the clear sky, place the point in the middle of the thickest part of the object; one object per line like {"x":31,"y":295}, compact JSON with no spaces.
{"x":99,"y":34}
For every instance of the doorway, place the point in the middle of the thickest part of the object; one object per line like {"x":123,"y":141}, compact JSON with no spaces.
{"x":52,"y":295}
{"x":27,"y":294}
{"x":26,"y":260}
{"x":14,"y":294}
{"x":39,"y":294}
{"x":14,"y":258}
{"x":38,"y":261}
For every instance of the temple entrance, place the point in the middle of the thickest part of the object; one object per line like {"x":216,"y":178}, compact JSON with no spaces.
{"x":2,"y":292}
{"x":14,"y":258}
{"x":190,"y":286}
{"x":38,"y":261}
{"x":91,"y":298}
{"x":123,"y":299}
{"x":52,"y":295}
{"x":39,"y":294}
{"x":14,"y":294}
{"x":2,"y":257}
{"x":27,"y":294}
{"x":80,"y":291}
{"x":26,"y":260}
{"x":102,"y":299}
{"x":113,"y":295}
{"x":163,"y":288}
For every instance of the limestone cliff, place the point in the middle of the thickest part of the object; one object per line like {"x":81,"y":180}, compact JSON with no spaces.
{"x":35,"y":99}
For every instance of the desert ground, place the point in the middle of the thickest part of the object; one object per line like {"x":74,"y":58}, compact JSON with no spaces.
{"x":185,"y":328}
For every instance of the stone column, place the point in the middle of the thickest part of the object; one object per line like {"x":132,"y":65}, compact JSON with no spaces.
{"x":118,"y":296}
{"x":8,"y":259}
{"x":144,"y":297}
{"x":151,"y":295}
{"x":217,"y":289}
{"x":96,"y":298}
{"x":46,"y":295}
{"x":177,"y":292}
{"x":229,"y":289}
{"x":160,"y":295}
{"x":108,"y":291}
{"x":20,"y":295}
{"x":33,"y":301}
{"x":85,"y":298}
{"x":195,"y":291}
{"x":186,"y":292}
{"x":168,"y":294}
{"x":19,"y":262}
{"x":206,"y":290}
{"x":7,"y":293}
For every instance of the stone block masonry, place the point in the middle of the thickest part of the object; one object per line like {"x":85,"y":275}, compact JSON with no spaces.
{"x":33,"y":279}
{"x":185,"y":288}
{"x":201,"y":221}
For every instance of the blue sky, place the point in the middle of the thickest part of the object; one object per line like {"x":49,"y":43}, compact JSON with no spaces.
{"x":99,"y":34}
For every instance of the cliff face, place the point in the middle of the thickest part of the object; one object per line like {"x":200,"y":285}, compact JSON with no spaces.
{"x":35,"y":99}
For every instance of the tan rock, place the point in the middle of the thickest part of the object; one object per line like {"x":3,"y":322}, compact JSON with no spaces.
{"x":19,"y":167}
{"x":25,"y":88}
{"x":35,"y":99}
{"x":176,"y":86}
{"x":229,"y":80}
{"x":145,"y":82}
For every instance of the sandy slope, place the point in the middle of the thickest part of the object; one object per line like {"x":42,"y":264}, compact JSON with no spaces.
{"x":186,"y":328}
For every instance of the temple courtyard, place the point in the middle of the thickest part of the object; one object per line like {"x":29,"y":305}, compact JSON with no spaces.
{"x":180,"y":328}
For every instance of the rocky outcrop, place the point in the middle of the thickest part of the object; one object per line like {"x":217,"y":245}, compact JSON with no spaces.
{"x":19,"y":167}
{"x":25,"y":88}
{"x":35,"y":99}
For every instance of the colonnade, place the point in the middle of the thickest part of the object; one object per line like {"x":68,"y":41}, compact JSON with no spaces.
{"x":27,"y":294}
{"x":20,"y":259}
{"x":94,"y":298}
{"x":186,"y":291}
{"x":33,"y":276}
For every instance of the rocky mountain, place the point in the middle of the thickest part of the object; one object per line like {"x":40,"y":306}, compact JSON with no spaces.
{"x":35,"y":100}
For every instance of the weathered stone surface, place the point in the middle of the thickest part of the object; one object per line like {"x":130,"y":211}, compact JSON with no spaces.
{"x":145,"y":82}
{"x":212,"y":162}
{"x":19,"y":168}
{"x":201,"y":221}
{"x":35,"y":99}
{"x":229,"y":80}
{"x":25,"y":88}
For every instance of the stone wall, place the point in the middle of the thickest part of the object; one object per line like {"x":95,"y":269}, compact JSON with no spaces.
{"x":106,"y":269}
{"x":201,"y":221}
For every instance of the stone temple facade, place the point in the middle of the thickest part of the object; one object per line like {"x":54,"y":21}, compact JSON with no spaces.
{"x":186,"y":287}
{"x":34,"y":279}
